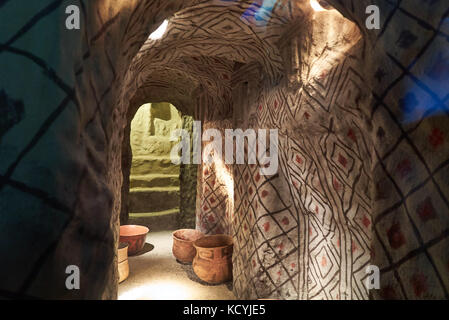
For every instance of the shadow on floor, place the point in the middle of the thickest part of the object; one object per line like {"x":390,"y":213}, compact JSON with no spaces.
{"x":187,"y":268}
{"x":146,"y":248}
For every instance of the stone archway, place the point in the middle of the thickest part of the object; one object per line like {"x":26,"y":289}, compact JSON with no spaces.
{"x":271,"y":209}
{"x":356,"y":90}
{"x":161,"y":195}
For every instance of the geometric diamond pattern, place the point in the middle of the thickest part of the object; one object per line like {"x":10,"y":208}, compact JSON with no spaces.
{"x":364,"y":146}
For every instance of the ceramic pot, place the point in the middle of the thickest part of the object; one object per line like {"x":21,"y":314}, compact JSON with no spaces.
{"x":135,"y":237}
{"x":183,"y":248}
{"x":122,"y":257}
{"x":213,"y":259}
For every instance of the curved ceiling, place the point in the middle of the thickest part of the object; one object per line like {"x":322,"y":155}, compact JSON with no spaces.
{"x":201,"y":45}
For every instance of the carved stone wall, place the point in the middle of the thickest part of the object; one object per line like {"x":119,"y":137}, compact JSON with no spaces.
{"x":364,"y":152}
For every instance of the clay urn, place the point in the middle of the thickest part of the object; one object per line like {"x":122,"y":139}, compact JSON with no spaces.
{"x":183,"y":248}
{"x":122,"y":258}
{"x":213,"y":259}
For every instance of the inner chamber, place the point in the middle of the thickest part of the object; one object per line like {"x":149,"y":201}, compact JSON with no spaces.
{"x":297,"y":233}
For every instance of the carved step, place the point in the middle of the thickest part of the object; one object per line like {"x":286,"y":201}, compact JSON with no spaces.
{"x":143,"y":165}
{"x":153,"y":199}
{"x":156,"y":221}
{"x":154,"y":180}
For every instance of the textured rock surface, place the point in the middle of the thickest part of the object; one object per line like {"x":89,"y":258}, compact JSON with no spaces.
{"x":188,"y":181}
{"x":364,"y":151}
{"x":154,"y":179}
{"x":61,"y":164}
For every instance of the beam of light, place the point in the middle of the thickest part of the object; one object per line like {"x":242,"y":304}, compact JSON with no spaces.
{"x":262,"y":14}
{"x":159,"y":32}
{"x":158,"y":290}
{"x":316,"y":6}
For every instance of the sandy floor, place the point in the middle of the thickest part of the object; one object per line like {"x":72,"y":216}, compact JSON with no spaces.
{"x":156,"y":275}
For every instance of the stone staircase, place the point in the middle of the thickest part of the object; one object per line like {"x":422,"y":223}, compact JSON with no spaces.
{"x":154,"y":197}
{"x":154,"y":192}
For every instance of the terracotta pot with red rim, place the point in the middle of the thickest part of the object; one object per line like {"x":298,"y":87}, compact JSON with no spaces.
{"x":135,"y":237}
{"x":183,"y":248}
{"x":213,"y":259}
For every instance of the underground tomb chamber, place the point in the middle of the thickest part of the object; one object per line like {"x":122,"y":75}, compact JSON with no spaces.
{"x":362,"y":125}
